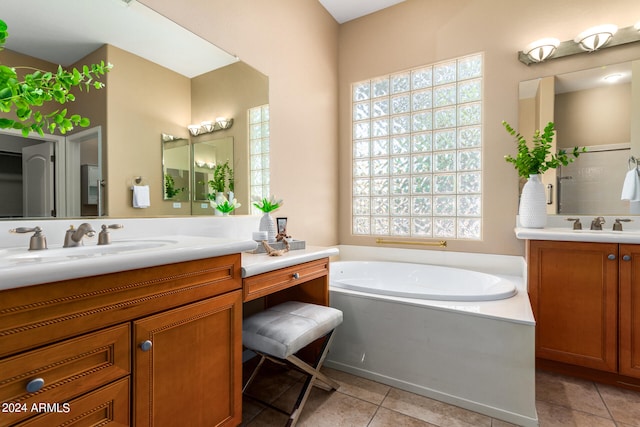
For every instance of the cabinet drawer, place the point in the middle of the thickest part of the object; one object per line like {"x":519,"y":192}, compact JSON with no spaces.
{"x":67,"y":369}
{"x":107,"y":406}
{"x":274,"y":281}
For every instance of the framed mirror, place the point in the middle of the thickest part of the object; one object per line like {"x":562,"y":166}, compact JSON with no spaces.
{"x":591,"y":108}
{"x":175,"y":168}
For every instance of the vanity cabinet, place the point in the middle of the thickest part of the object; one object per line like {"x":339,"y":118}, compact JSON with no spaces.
{"x":153,"y":346}
{"x":586,"y":301}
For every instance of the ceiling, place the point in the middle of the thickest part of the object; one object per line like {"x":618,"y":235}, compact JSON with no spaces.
{"x":65,"y":31}
{"x":346,"y":10}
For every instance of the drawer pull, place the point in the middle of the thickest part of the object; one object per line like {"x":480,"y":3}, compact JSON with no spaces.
{"x":611,"y":257}
{"x":146,"y":345}
{"x":627,"y":258}
{"x":296,"y":275}
{"x":35,"y":385}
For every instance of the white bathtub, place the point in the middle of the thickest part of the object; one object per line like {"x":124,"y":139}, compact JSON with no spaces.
{"x":479,"y":355}
{"x":420,"y":281}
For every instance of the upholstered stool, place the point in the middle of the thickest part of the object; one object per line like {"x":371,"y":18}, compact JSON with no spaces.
{"x":279,"y":332}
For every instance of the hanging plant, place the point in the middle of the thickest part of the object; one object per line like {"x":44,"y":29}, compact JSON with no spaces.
{"x":21,"y":97}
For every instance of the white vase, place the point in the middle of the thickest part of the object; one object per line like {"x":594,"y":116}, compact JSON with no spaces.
{"x":533,"y":204}
{"x":219,"y":200}
{"x":269,"y":225}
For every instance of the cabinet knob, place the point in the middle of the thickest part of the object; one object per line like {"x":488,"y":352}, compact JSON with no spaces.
{"x":626,"y":257}
{"x":35,"y":385}
{"x":146,"y":345}
{"x":296,"y":275}
{"x":611,"y":256}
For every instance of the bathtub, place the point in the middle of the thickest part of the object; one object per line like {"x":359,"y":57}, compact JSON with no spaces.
{"x":431,"y":282}
{"x":464,"y":348}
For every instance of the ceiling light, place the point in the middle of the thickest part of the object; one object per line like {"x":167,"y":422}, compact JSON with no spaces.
{"x":596,"y":37}
{"x":541,"y":49}
{"x":612,"y":78}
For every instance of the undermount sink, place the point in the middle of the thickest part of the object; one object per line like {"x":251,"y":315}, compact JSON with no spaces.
{"x":17,"y":255}
{"x":22,"y":267}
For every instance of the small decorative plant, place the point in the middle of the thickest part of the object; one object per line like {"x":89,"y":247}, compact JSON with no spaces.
{"x":21,"y":97}
{"x":267,"y":205}
{"x":538,"y":158}
{"x":224,"y":206}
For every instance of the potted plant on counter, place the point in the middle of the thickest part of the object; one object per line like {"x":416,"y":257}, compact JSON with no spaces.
{"x":224,"y":206}
{"x":266,"y":222}
{"x":532,"y":161}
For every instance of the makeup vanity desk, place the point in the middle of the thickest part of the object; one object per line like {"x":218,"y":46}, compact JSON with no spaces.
{"x":301,"y":275}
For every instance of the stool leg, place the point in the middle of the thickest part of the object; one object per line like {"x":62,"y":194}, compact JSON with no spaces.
{"x":254,"y":373}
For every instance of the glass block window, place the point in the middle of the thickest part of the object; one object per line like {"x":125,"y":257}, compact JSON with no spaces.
{"x":417,"y":152}
{"x":258,"y":120}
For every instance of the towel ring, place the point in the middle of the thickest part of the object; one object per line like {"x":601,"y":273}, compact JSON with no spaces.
{"x":137,"y":180}
{"x":633,"y":160}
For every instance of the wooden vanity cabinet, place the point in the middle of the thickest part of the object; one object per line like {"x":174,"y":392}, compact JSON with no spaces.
{"x":156,"y":346}
{"x":586,"y":301}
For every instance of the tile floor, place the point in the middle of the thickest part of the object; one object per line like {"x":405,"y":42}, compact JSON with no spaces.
{"x":561,"y":402}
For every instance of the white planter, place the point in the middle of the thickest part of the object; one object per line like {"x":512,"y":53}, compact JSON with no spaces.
{"x":268,"y":224}
{"x":533,"y":204}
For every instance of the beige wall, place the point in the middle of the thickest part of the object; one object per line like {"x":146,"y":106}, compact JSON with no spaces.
{"x":419,"y":32}
{"x":594,"y":117}
{"x":143,"y":101}
{"x":229,"y":92}
{"x":295,"y":43}
{"x":310,"y":59}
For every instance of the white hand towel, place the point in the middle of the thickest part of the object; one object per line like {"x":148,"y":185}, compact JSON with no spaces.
{"x":631,"y":186}
{"x":141,"y":197}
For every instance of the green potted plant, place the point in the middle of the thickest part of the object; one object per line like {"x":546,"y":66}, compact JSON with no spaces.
{"x":22,"y":95}
{"x":170,"y":189}
{"x":266,"y":222}
{"x":531,"y":161}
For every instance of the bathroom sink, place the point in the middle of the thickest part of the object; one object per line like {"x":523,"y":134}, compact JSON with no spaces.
{"x":584,"y":235}
{"x":22,"y":267}
{"x":17,"y":255}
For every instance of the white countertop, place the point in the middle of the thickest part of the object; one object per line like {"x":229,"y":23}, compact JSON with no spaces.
{"x":569,"y":235}
{"x":253,"y":264}
{"x":20,"y":267}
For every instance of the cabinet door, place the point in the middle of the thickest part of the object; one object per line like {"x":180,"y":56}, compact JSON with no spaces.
{"x":573,"y":288}
{"x":630,"y":310}
{"x":188,"y":365}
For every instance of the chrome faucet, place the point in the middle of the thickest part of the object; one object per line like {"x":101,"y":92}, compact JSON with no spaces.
{"x":596,"y":224}
{"x":74,"y":237}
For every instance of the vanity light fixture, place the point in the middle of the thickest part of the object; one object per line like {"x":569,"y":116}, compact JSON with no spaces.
{"x":541,"y":49}
{"x":591,"y":40}
{"x":209,"y":126}
{"x":594,"y":38}
{"x":200,"y":163}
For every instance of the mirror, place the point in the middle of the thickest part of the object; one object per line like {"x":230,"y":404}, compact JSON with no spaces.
{"x":591,"y":108}
{"x":129,"y":137}
{"x":175,"y":168}
{"x":212,"y":172}
{"x":34,"y":169}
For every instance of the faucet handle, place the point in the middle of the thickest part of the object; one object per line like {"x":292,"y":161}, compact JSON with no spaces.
{"x":37,"y":242}
{"x":617,"y":226}
{"x":577,"y":225}
{"x":104,"y":238}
